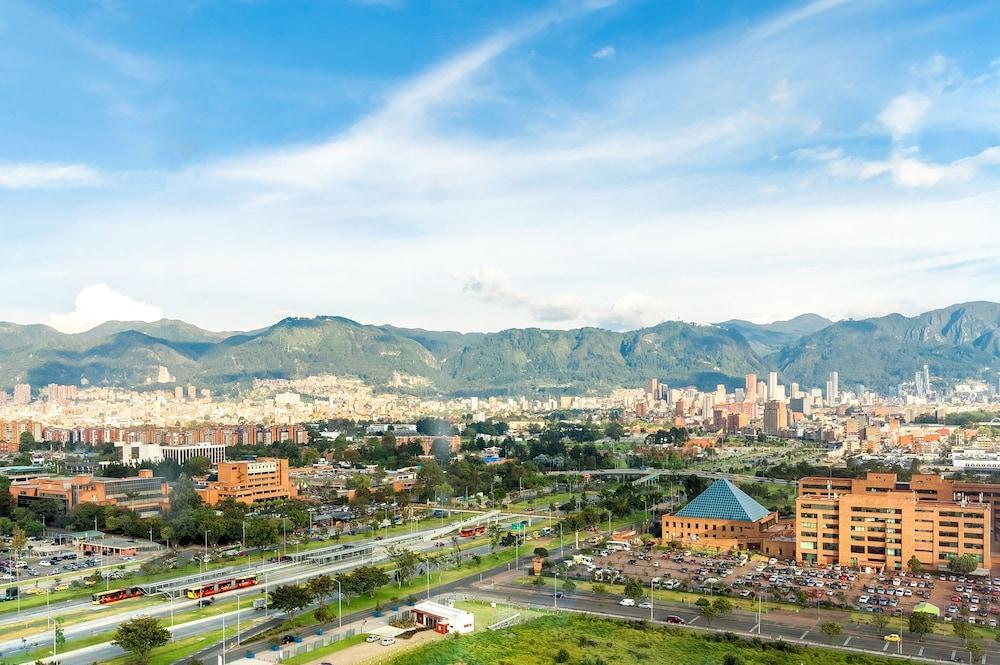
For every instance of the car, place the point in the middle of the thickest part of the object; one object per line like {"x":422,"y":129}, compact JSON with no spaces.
{"x":626,"y":602}
{"x":44,"y":563}
{"x":560,"y":594}
{"x":206,"y":602}
{"x":646,"y":605}
{"x":388,"y":641}
{"x":372,"y":638}
{"x":62,"y":587}
{"x":892,"y":637}
{"x":673,"y":618}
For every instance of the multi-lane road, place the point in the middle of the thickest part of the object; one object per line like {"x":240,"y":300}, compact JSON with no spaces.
{"x":799,"y":627}
{"x":271,"y":575}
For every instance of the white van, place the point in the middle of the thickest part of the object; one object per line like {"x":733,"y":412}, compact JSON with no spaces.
{"x":626,"y":602}
{"x":614,"y":546}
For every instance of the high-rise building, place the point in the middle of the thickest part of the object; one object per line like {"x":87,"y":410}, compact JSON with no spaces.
{"x":834,"y":395}
{"x":775,"y":417}
{"x":772,"y":385}
{"x":750,"y":388}
{"x":22,"y":393}
{"x":918,"y":384}
{"x":880,"y":522}
{"x":927,"y":380}
{"x":655,"y":390}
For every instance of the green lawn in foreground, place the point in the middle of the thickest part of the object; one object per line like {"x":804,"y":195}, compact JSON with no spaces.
{"x":593,"y":641}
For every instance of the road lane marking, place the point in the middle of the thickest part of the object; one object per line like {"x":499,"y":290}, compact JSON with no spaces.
{"x":885,"y":647}
{"x":848,"y":640}
{"x":693,"y":619}
{"x":920,"y":652}
{"x":756,"y":627}
{"x":953,"y":654}
{"x":804,"y":634}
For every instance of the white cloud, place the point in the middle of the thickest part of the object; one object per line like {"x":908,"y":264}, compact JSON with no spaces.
{"x":98,"y":303}
{"x":604,"y":52}
{"x":631,"y":310}
{"x":905,"y":114}
{"x":903,"y":167}
{"x":37,"y":175}
{"x":634,"y":310}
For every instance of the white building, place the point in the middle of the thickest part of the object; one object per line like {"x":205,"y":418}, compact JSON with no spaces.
{"x":135,"y":453}
{"x":443,"y":619}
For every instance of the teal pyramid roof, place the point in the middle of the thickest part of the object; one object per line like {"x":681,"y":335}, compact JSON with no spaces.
{"x":724,"y":501}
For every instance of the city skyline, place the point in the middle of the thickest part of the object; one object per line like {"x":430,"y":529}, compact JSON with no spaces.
{"x":490,"y":166}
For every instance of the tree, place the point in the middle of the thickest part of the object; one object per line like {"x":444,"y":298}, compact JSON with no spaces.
{"x":961,"y":630}
{"x":321,"y":586}
{"x":614,"y":430}
{"x":139,"y":636}
{"x":60,"y":636}
{"x":308,"y":456}
{"x":921,"y":623}
{"x":183,"y":496}
{"x":290,"y":598}
{"x":707,"y":611}
{"x":975,"y":648}
{"x":633,"y":588}
{"x":831,"y":629}
{"x":19,"y":539}
{"x":26,"y":442}
{"x":324,"y":614}
{"x":964,"y":564}
{"x":368,"y":579}
{"x":732,"y":659}
{"x":199,"y":465}
{"x":262,"y":532}
{"x":495,"y":533}
{"x":722,"y":606}
{"x":541,"y":553}
{"x":405,"y":560}
{"x":914,"y":565}
{"x":881,"y":622}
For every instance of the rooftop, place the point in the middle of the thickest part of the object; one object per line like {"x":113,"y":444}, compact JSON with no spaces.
{"x":724,"y":501}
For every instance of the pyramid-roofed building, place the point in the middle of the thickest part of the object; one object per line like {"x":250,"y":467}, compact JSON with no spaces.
{"x":724,"y":517}
{"x":724,"y":501}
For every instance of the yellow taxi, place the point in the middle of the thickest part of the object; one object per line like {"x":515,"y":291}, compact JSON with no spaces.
{"x":891,"y":637}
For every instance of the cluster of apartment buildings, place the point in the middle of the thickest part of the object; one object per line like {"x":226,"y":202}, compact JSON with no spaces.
{"x":246,"y":481}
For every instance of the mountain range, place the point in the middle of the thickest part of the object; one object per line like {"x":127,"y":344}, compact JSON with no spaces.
{"x":960,"y":341}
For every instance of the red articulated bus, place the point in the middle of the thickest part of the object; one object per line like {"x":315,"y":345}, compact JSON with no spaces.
{"x":105,"y":597}
{"x":221,"y":586}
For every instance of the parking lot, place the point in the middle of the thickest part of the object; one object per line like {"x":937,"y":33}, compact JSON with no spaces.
{"x":966,"y":598}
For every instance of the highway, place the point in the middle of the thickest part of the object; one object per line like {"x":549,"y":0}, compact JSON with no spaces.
{"x":272,"y":575}
{"x":799,"y":627}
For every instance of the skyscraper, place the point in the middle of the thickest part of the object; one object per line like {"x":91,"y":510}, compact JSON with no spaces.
{"x":927,"y":380}
{"x":775,"y":417}
{"x":772,"y":384}
{"x":22,"y":393}
{"x":834,"y":395}
{"x":918,"y":384}
{"x":750,"y":388}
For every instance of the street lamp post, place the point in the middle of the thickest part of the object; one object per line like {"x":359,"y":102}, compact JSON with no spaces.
{"x":340,"y":612}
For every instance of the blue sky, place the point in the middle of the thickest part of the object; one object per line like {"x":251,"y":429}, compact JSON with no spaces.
{"x":482,"y":165}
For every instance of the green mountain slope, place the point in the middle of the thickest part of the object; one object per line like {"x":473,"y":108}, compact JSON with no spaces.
{"x":767,"y":338}
{"x":957,"y":342}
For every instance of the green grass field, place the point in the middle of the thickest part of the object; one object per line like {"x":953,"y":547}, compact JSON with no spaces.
{"x":587,"y":641}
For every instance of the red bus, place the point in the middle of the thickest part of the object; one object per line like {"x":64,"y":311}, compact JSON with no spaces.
{"x":221,"y":586}
{"x":105,"y":597}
